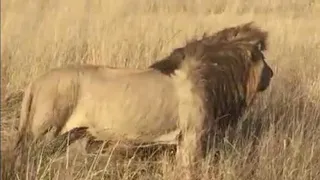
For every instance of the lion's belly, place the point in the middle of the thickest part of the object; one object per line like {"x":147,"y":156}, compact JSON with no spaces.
{"x":138,"y":119}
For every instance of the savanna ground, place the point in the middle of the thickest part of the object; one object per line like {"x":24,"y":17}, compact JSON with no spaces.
{"x":284,"y":124}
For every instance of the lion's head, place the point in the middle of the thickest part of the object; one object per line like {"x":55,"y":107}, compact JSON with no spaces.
{"x":232,"y":65}
{"x":244,"y":41}
{"x":254,"y":40}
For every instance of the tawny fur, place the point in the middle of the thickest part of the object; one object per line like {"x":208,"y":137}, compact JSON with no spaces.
{"x":196,"y":91}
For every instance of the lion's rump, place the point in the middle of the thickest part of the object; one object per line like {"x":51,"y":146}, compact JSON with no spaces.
{"x":142,"y":106}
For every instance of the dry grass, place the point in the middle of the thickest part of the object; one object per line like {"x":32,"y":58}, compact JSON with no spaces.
{"x":37,"y":35}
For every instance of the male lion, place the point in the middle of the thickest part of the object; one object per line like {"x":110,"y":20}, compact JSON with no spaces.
{"x":196,"y":91}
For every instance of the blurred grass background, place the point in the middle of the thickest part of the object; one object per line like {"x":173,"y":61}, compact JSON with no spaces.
{"x":37,"y":35}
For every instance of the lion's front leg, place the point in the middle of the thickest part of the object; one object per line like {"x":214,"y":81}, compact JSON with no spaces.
{"x":189,"y":154}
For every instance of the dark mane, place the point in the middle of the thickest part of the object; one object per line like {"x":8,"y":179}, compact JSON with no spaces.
{"x":231,"y":37}
{"x":247,"y":32}
{"x":219,"y":66}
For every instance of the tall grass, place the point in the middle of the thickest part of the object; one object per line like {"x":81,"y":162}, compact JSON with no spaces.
{"x":283,"y":126}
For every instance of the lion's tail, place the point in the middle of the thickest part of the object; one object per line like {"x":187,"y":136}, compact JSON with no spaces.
{"x":24,"y":117}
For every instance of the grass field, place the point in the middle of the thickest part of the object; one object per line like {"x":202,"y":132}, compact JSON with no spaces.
{"x":37,"y":35}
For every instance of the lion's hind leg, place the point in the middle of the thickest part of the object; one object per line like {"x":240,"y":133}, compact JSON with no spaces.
{"x":49,"y":117}
{"x":43,"y":122}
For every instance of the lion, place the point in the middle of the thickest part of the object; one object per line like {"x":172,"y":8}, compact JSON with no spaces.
{"x":183,"y":99}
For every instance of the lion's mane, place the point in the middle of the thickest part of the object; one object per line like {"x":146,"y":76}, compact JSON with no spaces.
{"x":218,"y":68}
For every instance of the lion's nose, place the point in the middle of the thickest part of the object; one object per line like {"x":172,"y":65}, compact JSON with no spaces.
{"x":270,"y":71}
